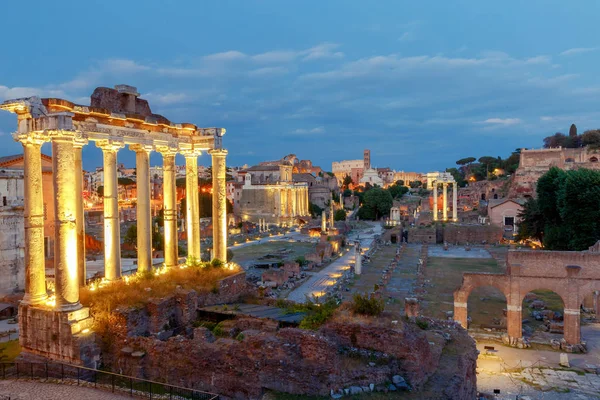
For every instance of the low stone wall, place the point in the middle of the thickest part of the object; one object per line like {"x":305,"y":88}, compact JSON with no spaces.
{"x":422,"y":235}
{"x":474,"y":234}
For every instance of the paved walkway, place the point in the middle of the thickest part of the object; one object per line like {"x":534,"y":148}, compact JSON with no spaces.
{"x":32,"y":390}
{"x":318,"y":283}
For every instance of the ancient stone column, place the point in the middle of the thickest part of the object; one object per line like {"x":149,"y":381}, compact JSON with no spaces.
{"x":66,"y":281}
{"x":323,"y":222}
{"x":80,"y":221}
{"x":357,"y":258}
{"x":143,"y":212}
{"x":35,"y":269}
{"x":454,"y":203}
{"x":192,"y":203}
{"x":170,"y":206}
{"x":331,"y":219}
{"x":435,"y":203}
{"x":219,"y":206}
{"x":445,"y":199}
{"x":112,"y":230}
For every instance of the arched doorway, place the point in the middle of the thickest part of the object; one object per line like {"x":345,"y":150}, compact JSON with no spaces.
{"x":543,"y":314}
{"x":486,"y":309}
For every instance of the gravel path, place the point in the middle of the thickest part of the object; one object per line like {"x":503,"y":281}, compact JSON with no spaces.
{"x":32,"y":390}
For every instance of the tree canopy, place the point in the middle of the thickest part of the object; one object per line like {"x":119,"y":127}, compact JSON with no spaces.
{"x":465,"y":161}
{"x":377,"y":203}
{"x":566,"y":214}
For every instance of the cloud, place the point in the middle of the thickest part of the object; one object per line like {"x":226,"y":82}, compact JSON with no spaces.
{"x":231,"y":55}
{"x":275,"y":57}
{"x":501,"y":121}
{"x":407,"y":37}
{"x":122,"y":66}
{"x":268,"y":71}
{"x":324,"y":50}
{"x":578,"y":50}
{"x":312,"y":131}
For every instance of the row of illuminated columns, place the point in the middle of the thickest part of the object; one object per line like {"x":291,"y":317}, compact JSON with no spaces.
{"x":69,"y":243}
{"x":445,"y":201}
{"x":293,"y":202}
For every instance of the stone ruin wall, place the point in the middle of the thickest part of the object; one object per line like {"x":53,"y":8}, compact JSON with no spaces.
{"x":535,"y":163}
{"x":339,"y":355}
{"x":12,"y":249}
{"x":472,"y":234}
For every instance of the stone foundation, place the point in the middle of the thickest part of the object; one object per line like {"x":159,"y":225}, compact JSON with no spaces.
{"x":58,"y":335}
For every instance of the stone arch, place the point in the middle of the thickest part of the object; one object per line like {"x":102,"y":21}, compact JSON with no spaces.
{"x":546,"y":312}
{"x":594,"y":159}
{"x":472,"y":281}
{"x":570,"y":160}
{"x":486,"y":307}
{"x":569,"y":292}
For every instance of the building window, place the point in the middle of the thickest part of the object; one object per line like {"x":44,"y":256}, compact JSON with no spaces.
{"x":509,"y":221}
{"x":594,"y":159}
{"x":4,"y":202}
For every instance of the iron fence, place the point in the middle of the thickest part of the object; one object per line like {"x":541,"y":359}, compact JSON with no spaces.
{"x":116,"y":383}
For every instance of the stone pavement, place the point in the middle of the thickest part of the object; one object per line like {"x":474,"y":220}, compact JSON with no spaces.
{"x":536,"y":373}
{"x":34,"y":390}
{"x":318,"y":283}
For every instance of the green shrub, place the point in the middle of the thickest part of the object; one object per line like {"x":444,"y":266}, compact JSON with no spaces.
{"x":317,"y":314}
{"x":366,"y":305}
{"x":423,"y":324}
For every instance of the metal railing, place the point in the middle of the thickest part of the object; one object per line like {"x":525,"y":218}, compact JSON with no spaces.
{"x":82,"y":376}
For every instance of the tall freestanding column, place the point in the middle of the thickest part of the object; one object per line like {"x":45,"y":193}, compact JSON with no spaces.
{"x":170,"y":206}
{"x":144,"y":217}
{"x":192,"y":203}
{"x":65,"y":229}
{"x":357,"y":258}
{"x":80,"y":221}
{"x":323,"y":222}
{"x":219,"y":204}
{"x":435,"y":201}
{"x":454,"y":203}
{"x":112,"y":233}
{"x":445,"y":197}
{"x":35,"y":269}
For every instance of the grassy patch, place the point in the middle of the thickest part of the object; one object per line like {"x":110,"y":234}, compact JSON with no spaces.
{"x":283,"y":249}
{"x":446,"y":274}
{"x":9,"y":350}
{"x":137,"y":291}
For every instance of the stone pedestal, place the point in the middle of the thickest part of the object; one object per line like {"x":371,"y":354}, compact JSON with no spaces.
{"x":411,"y":307}
{"x":572,"y":326}
{"x":58,"y":335}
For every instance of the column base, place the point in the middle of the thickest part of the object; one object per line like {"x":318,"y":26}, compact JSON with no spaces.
{"x":33,"y":300}
{"x":58,"y":335}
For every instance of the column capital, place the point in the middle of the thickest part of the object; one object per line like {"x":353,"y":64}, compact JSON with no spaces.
{"x":79,"y":142}
{"x":31,"y":138}
{"x":190,"y":153}
{"x":141,"y":148}
{"x":218,"y":152}
{"x":110,"y":145}
{"x":167,"y":150}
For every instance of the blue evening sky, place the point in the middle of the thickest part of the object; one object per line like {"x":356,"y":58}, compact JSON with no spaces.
{"x":420,"y":83}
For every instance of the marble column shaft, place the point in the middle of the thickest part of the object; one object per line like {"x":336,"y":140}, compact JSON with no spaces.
{"x":192,"y":204}
{"x":445,"y":203}
{"x":112,"y":230}
{"x":143,"y":211}
{"x":80,"y":222}
{"x":454,"y":203}
{"x":219,"y":205}
{"x":170,"y":208}
{"x":35,"y":268}
{"x":435,"y":201}
{"x":66,"y":281}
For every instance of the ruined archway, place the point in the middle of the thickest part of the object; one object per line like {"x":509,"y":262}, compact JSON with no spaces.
{"x":543,"y":309}
{"x":486,"y":308}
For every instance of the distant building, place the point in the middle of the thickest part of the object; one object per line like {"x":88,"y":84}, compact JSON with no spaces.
{"x":269,"y":193}
{"x":504,"y":213}
{"x":535,"y":163}
{"x":371,"y":177}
